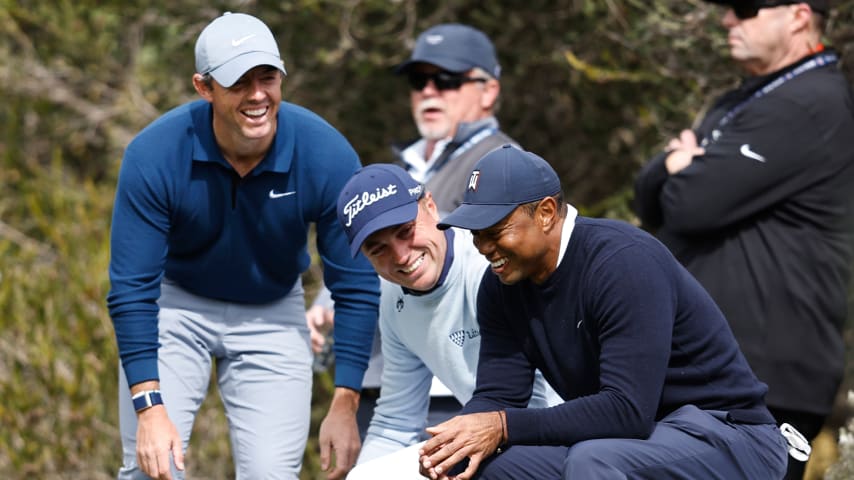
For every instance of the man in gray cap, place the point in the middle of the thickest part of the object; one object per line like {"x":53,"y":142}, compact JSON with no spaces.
{"x":453,"y":73}
{"x":756,"y":202}
{"x":211,"y":219}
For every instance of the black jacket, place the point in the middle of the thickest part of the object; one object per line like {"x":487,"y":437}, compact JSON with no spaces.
{"x":765,"y":221}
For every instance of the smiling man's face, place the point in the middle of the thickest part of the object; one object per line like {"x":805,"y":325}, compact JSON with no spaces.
{"x":411,"y":254}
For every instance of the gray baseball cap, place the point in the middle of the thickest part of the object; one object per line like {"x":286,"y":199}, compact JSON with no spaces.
{"x":233,"y":44}
{"x":454,"y":47}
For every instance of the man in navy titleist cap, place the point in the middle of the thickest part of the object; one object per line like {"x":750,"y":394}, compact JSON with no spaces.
{"x":211,"y":219}
{"x":757,"y":203}
{"x":652,"y":380}
{"x":453,"y":73}
{"x":429,"y":328}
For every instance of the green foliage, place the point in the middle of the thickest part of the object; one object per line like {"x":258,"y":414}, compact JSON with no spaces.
{"x":57,"y":353}
{"x":594,"y":86}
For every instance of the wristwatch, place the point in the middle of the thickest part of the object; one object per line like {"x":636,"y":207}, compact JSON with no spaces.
{"x":146,"y":399}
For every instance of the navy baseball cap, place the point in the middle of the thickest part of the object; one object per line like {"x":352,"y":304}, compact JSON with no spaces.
{"x":454,"y":47}
{"x":376,"y":197}
{"x":233,"y":44}
{"x":821,"y":6}
{"x":501,"y":181}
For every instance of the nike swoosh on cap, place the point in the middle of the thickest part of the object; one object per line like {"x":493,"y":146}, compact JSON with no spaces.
{"x":747,"y":152}
{"x":236,"y":43}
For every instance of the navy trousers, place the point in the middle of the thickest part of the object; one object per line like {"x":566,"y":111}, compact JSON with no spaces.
{"x":687,"y":444}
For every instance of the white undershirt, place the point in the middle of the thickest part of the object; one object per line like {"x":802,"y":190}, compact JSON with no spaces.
{"x":566,"y":232}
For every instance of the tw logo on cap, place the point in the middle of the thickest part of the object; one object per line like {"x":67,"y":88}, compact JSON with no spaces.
{"x":475,"y":176}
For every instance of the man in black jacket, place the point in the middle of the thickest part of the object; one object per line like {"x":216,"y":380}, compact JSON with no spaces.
{"x":757,"y":203}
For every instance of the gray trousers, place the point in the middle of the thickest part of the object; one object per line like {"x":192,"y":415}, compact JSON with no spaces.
{"x":263,"y":370}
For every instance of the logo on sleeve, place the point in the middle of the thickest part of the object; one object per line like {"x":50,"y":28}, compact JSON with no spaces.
{"x":747,"y":152}
{"x":459,"y":337}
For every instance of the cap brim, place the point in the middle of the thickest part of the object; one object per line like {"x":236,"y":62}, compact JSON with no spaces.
{"x":228,"y":73}
{"x":447,"y":64}
{"x":475,"y":217}
{"x":395,"y":216}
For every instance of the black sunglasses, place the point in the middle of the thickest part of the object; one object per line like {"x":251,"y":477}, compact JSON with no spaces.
{"x":745,"y":10}
{"x":442,"y":80}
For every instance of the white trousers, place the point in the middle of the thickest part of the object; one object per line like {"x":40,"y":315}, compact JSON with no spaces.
{"x":399,"y":465}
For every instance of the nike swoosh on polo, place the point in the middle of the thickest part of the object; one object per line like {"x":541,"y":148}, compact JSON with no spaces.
{"x":747,"y":152}
{"x":275,"y":194}
{"x":236,"y":43}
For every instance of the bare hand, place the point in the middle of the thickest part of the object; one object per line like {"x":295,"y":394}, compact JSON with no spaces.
{"x":682,"y":151}
{"x":476,"y":436}
{"x":340,"y":434}
{"x":320,"y":321}
{"x":156,"y":438}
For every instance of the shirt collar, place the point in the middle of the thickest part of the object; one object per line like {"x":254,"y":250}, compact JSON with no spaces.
{"x":205,"y":149}
{"x":566,"y":232}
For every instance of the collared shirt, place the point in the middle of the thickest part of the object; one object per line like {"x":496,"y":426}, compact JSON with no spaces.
{"x":183,"y":212}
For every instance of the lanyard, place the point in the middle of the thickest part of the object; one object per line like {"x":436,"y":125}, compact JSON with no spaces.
{"x":453,"y":150}
{"x":816,"y":62}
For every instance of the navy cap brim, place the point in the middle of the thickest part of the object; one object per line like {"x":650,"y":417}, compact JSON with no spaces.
{"x":395,"y":216}
{"x":476,"y":217}
{"x":228,"y":73}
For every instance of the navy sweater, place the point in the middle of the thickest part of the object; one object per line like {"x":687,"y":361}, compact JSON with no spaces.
{"x":621,"y":331}
{"x":182,"y":211}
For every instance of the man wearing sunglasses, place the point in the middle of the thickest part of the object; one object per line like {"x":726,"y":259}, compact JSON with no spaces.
{"x":756,"y":202}
{"x":453,"y":75}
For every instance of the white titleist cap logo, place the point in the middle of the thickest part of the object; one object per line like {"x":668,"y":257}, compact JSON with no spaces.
{"x":360,"y":201}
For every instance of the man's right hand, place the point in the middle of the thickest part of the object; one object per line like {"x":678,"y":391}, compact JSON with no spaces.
{"x":156,"y":438}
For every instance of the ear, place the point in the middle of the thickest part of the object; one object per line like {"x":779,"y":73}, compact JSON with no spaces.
{"x":801,"y":17}
{"x":548,"y":214}
{"x":430,"y":206}
{"x":202,"y":88}
{"x":491,"y":89}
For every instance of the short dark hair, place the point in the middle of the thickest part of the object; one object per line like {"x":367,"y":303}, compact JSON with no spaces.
{"x":531,"y":207}
{"x":207,"y":79}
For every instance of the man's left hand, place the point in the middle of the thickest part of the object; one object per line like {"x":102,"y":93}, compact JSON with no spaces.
{"x":476,"y":436}
{"x":339,"y":434}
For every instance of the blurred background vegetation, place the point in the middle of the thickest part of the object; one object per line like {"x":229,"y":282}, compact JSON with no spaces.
{"x":594,"y":86}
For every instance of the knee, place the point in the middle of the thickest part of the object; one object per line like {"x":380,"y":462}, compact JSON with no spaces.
{"x":590,"y":459}
{"x":268,"y":466}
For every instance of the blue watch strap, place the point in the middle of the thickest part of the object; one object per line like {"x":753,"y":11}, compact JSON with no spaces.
{"x":146,"y":399}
